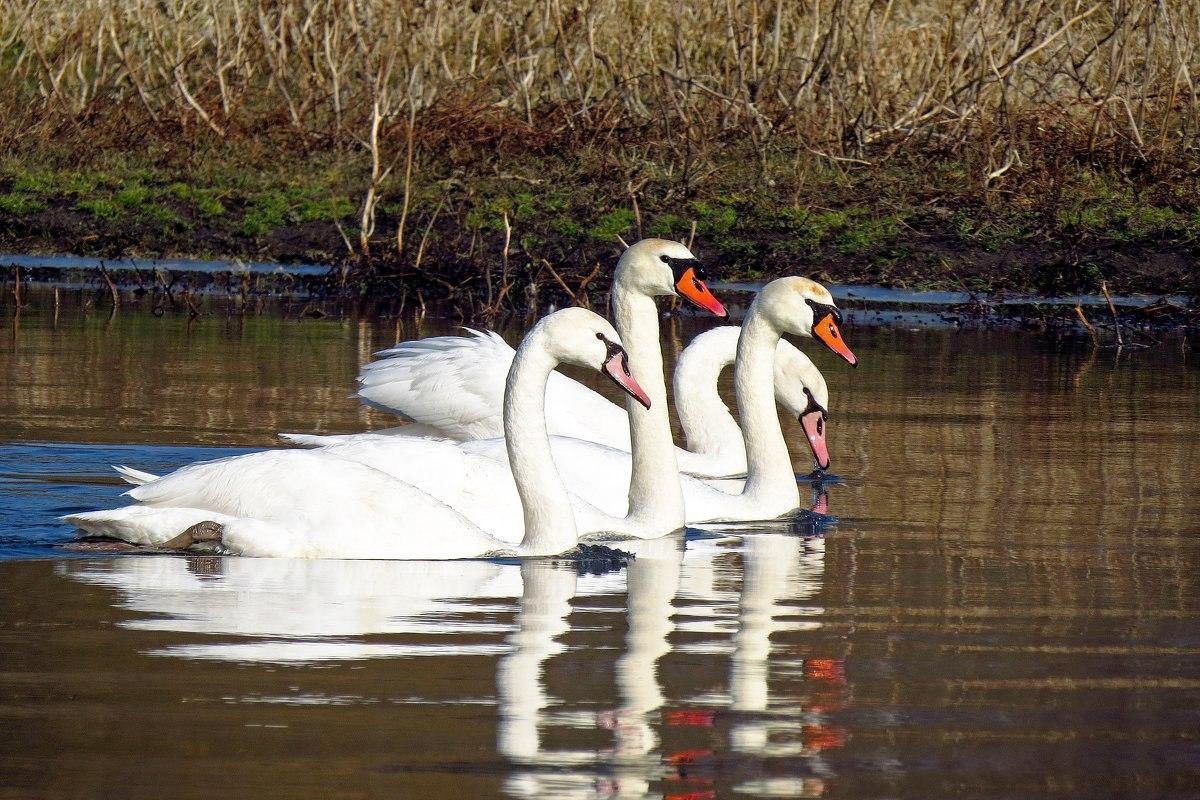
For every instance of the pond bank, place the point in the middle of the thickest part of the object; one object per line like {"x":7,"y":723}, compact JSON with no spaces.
{"x":232,"y":287}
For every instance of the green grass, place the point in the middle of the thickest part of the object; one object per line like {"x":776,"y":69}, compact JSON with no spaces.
{"x":206,"y":202}
{"x":19,"y":204}
{"x":163,"y":215}
{"x":613,"y":224}
{"x":101,"y":207}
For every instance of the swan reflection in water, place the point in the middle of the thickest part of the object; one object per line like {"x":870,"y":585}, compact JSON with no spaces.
{"x":294,"y":611}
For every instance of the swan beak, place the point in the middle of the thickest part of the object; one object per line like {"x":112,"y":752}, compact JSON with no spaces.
{"x":694,"y":289}
{"x":813,"y":424}
{"x":617,"y":368}
{"x":826,"y":331}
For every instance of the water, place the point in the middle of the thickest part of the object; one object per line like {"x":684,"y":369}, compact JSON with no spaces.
{"x":151,"y":265}
{"x":1008,"y":606}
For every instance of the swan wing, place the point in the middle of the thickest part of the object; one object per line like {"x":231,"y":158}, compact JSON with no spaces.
{"x":454,"y":384}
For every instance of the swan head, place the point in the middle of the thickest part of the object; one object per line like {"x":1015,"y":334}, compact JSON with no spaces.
{"x":586,"y":339}
{"x":659,"y":267}
{"x":804,"y":308}
{"x":801,"y":389}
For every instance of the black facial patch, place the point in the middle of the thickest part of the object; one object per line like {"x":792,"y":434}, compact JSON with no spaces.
{"x":821,"y":310}
{"x":613,"y":349}
{"x":681,"y":265}
{"x":813,"y":405}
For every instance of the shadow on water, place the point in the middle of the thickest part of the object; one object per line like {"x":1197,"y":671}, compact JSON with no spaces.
{"x":1007,"y":605}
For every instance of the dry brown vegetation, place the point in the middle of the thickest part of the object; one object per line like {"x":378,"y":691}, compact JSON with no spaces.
{"x":665,"y":91}
{"x":836,"y":75}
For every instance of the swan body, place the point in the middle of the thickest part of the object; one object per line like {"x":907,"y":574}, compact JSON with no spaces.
{"x":321,"y":504}
{"x":453,"y":387}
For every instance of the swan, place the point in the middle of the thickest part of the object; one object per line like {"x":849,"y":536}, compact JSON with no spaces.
{"x":317,"y":504}
{"x":786,"y":305}
{"x":415,"y":373}
{"x":715,"y":445}
{"x":452,"y":385}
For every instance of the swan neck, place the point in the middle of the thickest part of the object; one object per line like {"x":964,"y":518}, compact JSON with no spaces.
{"x":549,"y":521}
{"x":655,"y":496}
{"x":769,"y":475}
{"x":708,"y":426}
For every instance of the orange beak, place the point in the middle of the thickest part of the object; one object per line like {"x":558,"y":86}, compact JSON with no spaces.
{"x":826,"y":331}
{"x":694,"y":289}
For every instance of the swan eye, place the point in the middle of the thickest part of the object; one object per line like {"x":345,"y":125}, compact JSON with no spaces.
{"x":600,"y":336}
{"x":666,"y":259}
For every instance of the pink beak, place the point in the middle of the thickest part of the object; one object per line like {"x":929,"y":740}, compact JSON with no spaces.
{"x":618,"y":369}
{"x":813,"y":424}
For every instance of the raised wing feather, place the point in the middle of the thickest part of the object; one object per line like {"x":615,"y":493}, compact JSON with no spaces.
{"x":455,"y":384}
{"x":452,"y":383}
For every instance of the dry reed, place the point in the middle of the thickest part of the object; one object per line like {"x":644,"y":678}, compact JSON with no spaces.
{"x":844,"y":81}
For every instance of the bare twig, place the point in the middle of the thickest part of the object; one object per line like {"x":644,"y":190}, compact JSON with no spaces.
{"x":1113,"y":310}
{"x":558,"y":279}
{"x":112,"y":287}
{"x":1091,"y":329}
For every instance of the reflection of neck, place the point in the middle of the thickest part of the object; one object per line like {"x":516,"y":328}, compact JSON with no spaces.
{"x":769,"y":477}
{"x":707,"y":424}
{"x":549,"y":520}
{"x":545,"y":604}
{"x":655,"y":496}
{"x":768,"y":560}
{"x":653,"y":578}
{"x":771,"y":565}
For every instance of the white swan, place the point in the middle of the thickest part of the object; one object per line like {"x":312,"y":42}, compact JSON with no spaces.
{"x":455,"y":384}
{"x":317,"y":504}
{"x":787,"y":305}
{"x":715,"y":445}
{"x":452,"y":385}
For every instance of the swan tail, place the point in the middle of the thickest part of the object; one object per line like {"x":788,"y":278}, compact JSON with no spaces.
{"x":141,"y":525}
{"x":134,"y":477}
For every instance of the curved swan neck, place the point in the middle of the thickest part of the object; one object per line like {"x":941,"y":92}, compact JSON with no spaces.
{"x":768,"y":466}
{"x":708,"y":427}
{"x":655,"y":496}
{"x":549,"y":521}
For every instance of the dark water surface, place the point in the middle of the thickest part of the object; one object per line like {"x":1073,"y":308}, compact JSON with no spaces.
{"x":1009,"y":606}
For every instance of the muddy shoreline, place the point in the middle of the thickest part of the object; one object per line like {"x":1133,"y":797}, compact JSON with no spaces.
{"x":200,"y":288}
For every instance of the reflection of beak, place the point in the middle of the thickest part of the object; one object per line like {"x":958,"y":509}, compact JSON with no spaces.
{"x":617,"y":368}
{"x":813,"y":425}
{"x":826,"y":331}
{"x":694,"y":289}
